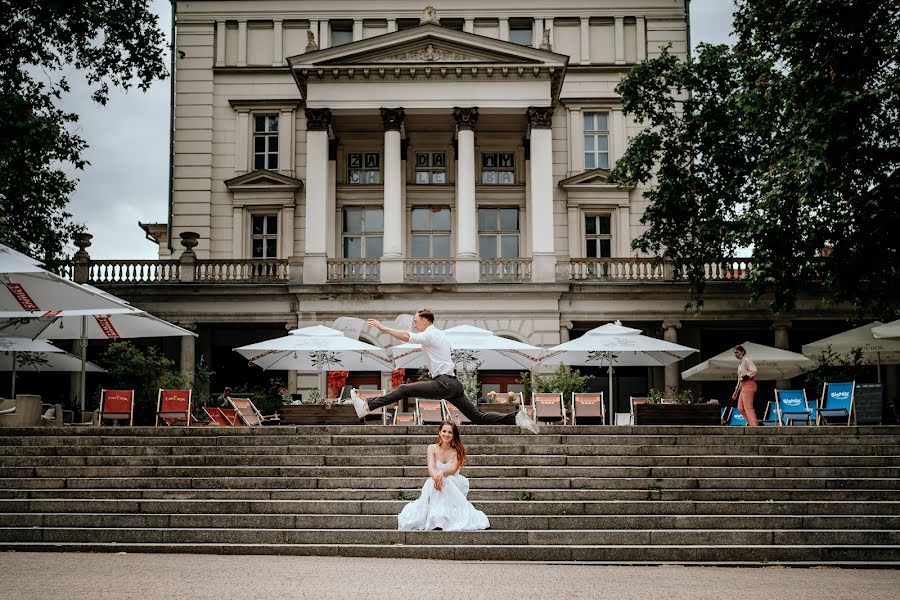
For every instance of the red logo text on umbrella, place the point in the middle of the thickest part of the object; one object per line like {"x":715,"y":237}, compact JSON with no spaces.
{"x":107,"y":328}
{"x":21,"y":296}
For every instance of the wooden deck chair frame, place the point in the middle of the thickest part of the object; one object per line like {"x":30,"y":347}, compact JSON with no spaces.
{"x":594,"y":397}
{"x":451,"y":412}
{"x":113,"y":407}
{"x":634,"y":401}
{"x":173,"y":417}
{"x":378,"y":413}
{"x":791,"y":417}
{"x":404,"y":418}
{"x":426,"y":404}
{"x":248,"y":413}
{"x":231,"y":415}
{"x":822,"y":419}
{"x":724,"y":413}
{"x":217,"y":417}
{"x":546,"y":402}
{"x":772,"y":407}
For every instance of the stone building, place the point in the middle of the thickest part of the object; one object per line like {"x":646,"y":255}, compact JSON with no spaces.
{"x":369,"y":158}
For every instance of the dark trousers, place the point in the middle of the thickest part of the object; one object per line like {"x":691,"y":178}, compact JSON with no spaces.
{"x":444,"y":387}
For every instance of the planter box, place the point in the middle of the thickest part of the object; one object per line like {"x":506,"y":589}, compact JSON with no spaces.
{"x":318,"y":414}
{"x":677,"y":414}
{"x":498,"y":407}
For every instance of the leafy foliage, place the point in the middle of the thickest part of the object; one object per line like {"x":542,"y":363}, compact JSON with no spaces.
{"x":112,"y":42}
{"x":563,"y":380}
{"x":832,"y":366}
{"x":143,"y":370}
{"x":788,"y":143}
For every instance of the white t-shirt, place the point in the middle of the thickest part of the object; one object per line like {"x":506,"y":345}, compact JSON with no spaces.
{"x":436,"y":348}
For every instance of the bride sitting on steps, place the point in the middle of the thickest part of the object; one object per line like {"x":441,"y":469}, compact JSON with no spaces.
{"x":443,"y":503}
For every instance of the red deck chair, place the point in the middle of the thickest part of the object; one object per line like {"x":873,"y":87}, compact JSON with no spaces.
{"x":378,"y":414}
{"x":404,"y":418}
{"x":117,"y":405}
{"x":588,"y":408}
{"x":174,"y":407}
{"x":218,"y":417}
{"x":548,"y":407}
{"x":248,"y":413}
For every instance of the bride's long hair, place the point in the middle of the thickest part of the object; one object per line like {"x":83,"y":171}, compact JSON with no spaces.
{"x":455,"y":443}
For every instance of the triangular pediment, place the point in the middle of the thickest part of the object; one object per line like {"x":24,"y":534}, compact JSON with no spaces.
{"x":426,"y":45}
{"x":588,"y":178}
{"x":263,"y":180}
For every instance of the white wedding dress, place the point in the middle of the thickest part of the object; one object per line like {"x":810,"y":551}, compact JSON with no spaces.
{"x":447,"y":509}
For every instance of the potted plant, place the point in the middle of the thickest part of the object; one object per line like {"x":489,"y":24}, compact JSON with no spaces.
{"x":675,"y":408}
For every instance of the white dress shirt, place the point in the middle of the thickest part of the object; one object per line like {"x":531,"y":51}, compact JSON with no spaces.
{"x":437,"y":350}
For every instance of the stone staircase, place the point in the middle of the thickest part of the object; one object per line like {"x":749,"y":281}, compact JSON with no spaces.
{"x":635,"y":495}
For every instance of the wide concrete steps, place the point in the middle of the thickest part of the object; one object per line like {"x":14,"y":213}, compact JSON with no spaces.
{"x":641,"y":495}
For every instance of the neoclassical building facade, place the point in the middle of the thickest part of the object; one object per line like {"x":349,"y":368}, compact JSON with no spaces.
{"x":369,"y":158}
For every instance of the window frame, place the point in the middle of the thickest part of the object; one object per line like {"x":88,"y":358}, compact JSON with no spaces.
{"x":430,"y":168}
{"x":483,"y":154}
{"x":266,"y":134}
{"x":265,"y":235}
{"x":342,"y":26}
{"x":522,"y":25}
{"x":596,"y":134}
{"x":431,"y":232}
{"x":363,"y":234}
{"x":598,"y":237}
{"x":365,"y":154}
{"x":498,"y":233}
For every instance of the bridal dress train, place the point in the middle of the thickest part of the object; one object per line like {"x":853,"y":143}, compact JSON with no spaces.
{"x":447,"y":509}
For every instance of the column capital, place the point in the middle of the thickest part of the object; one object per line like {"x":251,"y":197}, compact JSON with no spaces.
{"x":671,"y":325}
{"x":539,"y":117}
{"x":392,"y":118}
{"x":466,"y":118}
{"x":781,"y":324}
{"x":318,"y":119}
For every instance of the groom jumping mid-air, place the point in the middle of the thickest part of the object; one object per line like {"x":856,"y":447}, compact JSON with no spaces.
{"x":443,"y":385}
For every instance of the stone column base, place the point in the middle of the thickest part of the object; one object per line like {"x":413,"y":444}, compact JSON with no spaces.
{"x":315,"y":269}
{"x":543,"y":268}
{"x":391,"y":269}
{"x":468,"y":270}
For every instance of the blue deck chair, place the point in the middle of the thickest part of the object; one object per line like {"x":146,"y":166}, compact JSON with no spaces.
{"x":837,"y":403}
{"x":772,"y":415}
{"x":795,"y":408}
{"x":736,"y":419}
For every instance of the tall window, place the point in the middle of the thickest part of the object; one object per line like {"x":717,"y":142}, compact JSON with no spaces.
{"x":341,"y":33}
{"x":520,"y":32}
{"x":363,"y":168}
{"x":264,"y":236}
{"x":498,"y":168}
{"x":498,"y":232}
{"x":596,"y":140}
{"x":431,"y":167}
{"x":598,"y":236}
{"x":363,"y":232}
{"x":265,"y":142}
{"x":430,"y":232}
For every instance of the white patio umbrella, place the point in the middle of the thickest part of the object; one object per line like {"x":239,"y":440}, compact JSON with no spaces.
{"x":316,"y":349}
{"x":24,"y":354}
{"x":119,"y":321}
{"x":614,"y":345}
{"x":33,"y":291}
{"x":888,"y":330}
{"x":771,"y":364}
{"x":470,"y":346}
{"x":875,"y":351}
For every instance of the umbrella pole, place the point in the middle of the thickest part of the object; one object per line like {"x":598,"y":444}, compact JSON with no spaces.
{"x":12,"y":393}
{"x":878,"y":366}
{"x":81,"y":383}
{"x":609,"y":370}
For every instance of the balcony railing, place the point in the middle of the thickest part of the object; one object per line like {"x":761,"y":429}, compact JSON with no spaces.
{"x":354,"y":269}
{"x":505,"y":269}
{"x":731,"y":269}
{"x":615,"y":269}
{"x":134,"y":271}
{"x":254,"y":270}
{"x":429,"y":269}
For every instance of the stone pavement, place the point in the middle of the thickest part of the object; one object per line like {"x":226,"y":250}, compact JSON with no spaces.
{"x":73,"y":576}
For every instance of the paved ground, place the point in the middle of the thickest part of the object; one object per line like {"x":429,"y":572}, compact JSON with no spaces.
{"x":27,"y":576}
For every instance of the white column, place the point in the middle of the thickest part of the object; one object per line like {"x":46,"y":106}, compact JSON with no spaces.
{"x":641,"y":39}
{"x":324,"y":35}
{"x":504,"y":29}
{"x":287,"y":232}
{"x":617,"y":141}
{"x":315,"y":266}
{"x":242,"y":43}
{"x":392,"y":25}
{"x":537,"y":33}
{"x":673,"y":371}
{"x":277,"y":44}
{"x":331,"y":210}
{"x":237,"y":232}
{"x":782,"y":341}
{"x":469,"y":26}
{"x":392,"y":259}
{"x":467,"y":270}
{"x":220,"y":43}
{"x":242,"y":142}
{"x":620,"y":40}
{"x":623,"y":231}
{"x":286,"y":143}
{"x":543,"y":259}
{"x":585,"y":40}
{"x":357,"y":30}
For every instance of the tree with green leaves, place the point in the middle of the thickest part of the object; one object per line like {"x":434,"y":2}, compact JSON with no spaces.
{"x":787,"y":143}
{"x":111,"y":42}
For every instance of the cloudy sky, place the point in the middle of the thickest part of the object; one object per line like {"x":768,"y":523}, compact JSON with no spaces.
{"x":126,"y":182}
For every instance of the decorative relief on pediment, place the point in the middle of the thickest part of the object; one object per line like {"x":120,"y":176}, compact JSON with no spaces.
{"x":429,"y":54}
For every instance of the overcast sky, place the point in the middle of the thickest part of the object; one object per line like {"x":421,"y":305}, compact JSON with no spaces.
{"x":126,"y":181}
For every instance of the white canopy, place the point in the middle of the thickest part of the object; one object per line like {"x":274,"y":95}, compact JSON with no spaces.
{"x":316,"y":349}
{"x":875,"y":351}
{"x":888,"y":330}
{"x":32,"y":291}
{"x":771,"y":364}
{"x":24,"y":354}
{"x":473,"y":345}
{"x":613,"y":345}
